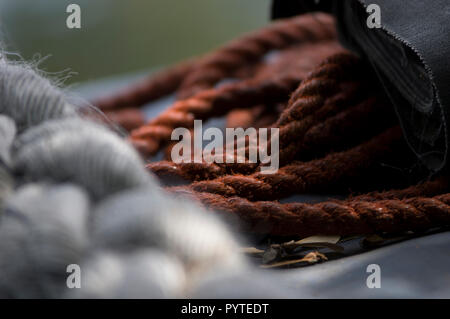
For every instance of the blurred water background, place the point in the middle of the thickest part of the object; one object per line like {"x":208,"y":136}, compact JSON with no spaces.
{"x":123,"y":36}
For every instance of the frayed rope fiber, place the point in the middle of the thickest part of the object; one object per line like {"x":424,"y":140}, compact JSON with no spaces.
{"x":30,"y":99}
{"x":73,"y":192}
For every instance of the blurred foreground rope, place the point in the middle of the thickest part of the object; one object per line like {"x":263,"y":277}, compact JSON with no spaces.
{"x":75,"y":195}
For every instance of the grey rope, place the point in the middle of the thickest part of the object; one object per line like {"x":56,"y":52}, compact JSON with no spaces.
{"x":72,"y":192}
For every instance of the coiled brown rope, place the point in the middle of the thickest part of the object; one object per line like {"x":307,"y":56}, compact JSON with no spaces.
{"x":425,"y":189}
{"x":204,"y":170}
{"x":344,"y":129}
{"x":290,"y":136}
{"x":266,"y":115}
{"x":335,"y":132}
{"x":147,"y":90}
{"x":301,"y":58}
{"x":326,"y":86}
{"x":299,"y":177}
{"x":316,"y":99}
{"x":149,"y":138}
{"x":215,"y":102}
{"x":332,"y":121}
{"x":245,"y":118}
{"x":251,"y":48}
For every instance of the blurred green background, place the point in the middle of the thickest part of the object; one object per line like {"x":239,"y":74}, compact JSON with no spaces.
{"x":123,"y":36}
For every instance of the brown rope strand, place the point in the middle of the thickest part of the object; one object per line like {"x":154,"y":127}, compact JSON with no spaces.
{"x":219,"y":101}
{"x":346,"y":128}
{"x":334,"y":135}
{"x":431,"y":188}
{"x":193,"y":171}
{"x":147,"y":90}
{"x":344,"y":218}
{"x":251,"y":48}
{"x":299,"y":177}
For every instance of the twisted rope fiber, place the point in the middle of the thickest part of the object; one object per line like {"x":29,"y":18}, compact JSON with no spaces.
{"x":149,"y":138}
{"x":299,"y":59}
{"x":346,"y":128}
{"x":315,"y":100}
{"x":259,"y":116}
{"x":352,"y":217}
{"x":315,"y":89}
{"x":292,"y":131}
{"x":283,"y":62}
{"x":251,"y":48}
{"x":336,"y":131}
{"x":216,"y":102}
{"x":204,"y":170}
{"x":299,"y":177}
{"x":431,"y":188}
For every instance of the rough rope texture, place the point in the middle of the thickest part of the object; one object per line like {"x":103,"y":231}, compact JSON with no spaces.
{"x":334,"y":217}
{"x":323,"y":114}
{"x":29,"y":99}
{"x":103,"y":165}
{"x":427,"y":189}
{"x":216,"y":102}
{"x":299,"y":177}
{"x":318,"y":97}
{"x":72,"y":192}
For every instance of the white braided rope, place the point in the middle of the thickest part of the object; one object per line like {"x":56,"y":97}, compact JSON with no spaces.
{"x":7,"y":135}
{"x":82,"y":152}
{"x":83,"y":197}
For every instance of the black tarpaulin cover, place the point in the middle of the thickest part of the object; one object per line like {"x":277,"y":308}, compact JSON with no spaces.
{"x":411,"y":55}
